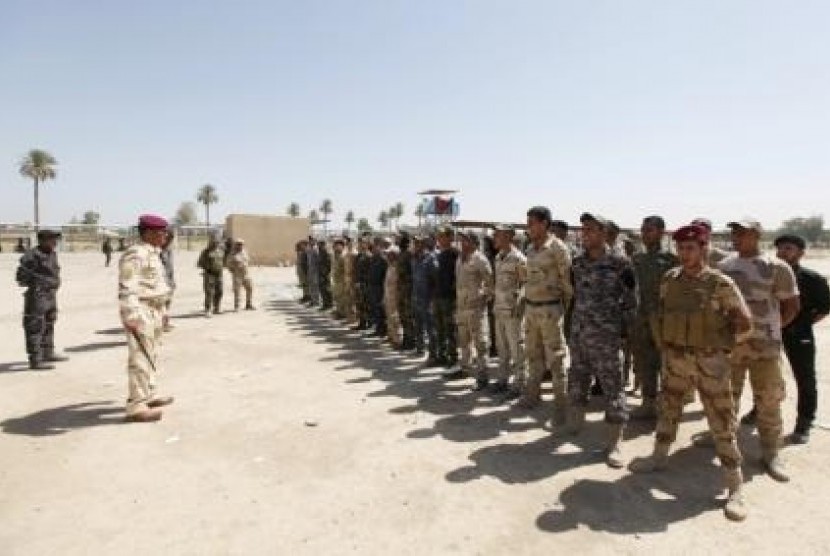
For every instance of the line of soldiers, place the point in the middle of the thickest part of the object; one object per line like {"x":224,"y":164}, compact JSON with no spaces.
{"x":701,"y":320}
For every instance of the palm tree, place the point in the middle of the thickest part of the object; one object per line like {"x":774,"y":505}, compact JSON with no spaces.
{"x":383,"y":219}
{"x":207,"y":196}
{"x":349,"y":221}
{"x":313,"y":216}
{"x":419,"y":212}
{"x":326,"y":209}
{"x":293,"y":210}
{"x":39,"y":166}
{"x":398,"y":214}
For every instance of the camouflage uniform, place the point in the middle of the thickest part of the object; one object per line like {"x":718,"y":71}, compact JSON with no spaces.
{"x":312,"y":256}
{"x":474,"y":286}
{"x":40,"y":273}
{"x":212,"y":262}
{"x":604,"y":299}
{"x":548,"y":292}
{"x":349,"y":283}
{"x":338,"y":280}
{"x":764,"y":281}
{"x":444,"y":307}
{"x":404,"y":269}
{"x":511,"y":273}
{"x":362,"y":263}
{"x":391,"y":305}
{"x":302,"y":272}
{"x":142,"y":294}
{"x":325,"y":276}
{"x":649,"y":269}
{"x":241,"y":278}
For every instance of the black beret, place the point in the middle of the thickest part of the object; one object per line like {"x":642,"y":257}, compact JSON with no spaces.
{"x":798,"y":241}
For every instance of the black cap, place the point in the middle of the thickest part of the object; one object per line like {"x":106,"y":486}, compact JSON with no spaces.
{"x":49,"y":234}
{"x":561,"y":224}
{"x":540,"y":213}
{"x":589,"y":217}
{"x":793,"y":239}
{"x":654,"y":220}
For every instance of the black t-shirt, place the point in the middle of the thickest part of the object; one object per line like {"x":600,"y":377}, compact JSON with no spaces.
{"x":815,"y":301}
{"x":445,"y":283}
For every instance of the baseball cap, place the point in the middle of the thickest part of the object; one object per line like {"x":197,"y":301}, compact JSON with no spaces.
{"x":746,"y":224}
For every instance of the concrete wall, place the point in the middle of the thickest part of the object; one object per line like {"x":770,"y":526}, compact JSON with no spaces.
{"x":270,"y":240}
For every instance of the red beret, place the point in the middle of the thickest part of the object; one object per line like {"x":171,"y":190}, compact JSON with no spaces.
{"x":692,"y":232}
{"x":152,"y":222}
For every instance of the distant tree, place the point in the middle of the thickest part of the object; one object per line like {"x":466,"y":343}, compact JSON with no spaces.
{"x":363,"y":226}
{"x":293,"y":210}
{"x":186,"y":215}
{"x":314,"y":216}
{"x":810,"y":228}
{"x":207,"y":196}
{"x":399,"y":212}
{"x":91,"y":218}
{"x":39,"y":166}
{"x":326,"y":209}
{"x":349,"y":221}
{"x":383,"y":219}
{"x":420,"y":213}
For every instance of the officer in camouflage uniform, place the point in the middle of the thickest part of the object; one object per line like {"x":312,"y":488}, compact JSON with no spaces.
{"x":338,"y":279}
{"x":444,"y":301}
{"x":212,"y":263}
{"x":143,"y":294}
{"x":548,"y":293}
{"x":511,"y":274}
{"x":649,"y":268}
{"x":700,"y":316}
{"x":769,"y":288}
{"x":404,"y":266}
{"x":474,"y":288}
{"x":604,"y":300}
{"x":40,"y":274}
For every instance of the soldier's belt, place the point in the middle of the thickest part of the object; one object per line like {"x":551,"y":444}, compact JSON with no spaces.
{"x":543,"y":303}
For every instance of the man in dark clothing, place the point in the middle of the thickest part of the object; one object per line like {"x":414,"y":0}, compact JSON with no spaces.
{"x":424,"y":270}
{"x":362,"y":264}
{"x":405,"y":310}
{"x":377,"y":278}
{"x":446,"y":351}
{"x":798,"y":338}
{"x":107,"y":249}
{"x":324,"y":268}
{"x":39,"y":273}
{"x":302,"y":270}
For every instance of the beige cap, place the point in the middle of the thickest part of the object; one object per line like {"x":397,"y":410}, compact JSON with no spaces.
{"x":746,"y":224}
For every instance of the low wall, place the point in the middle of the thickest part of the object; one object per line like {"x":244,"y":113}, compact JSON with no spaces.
{"x":270,"y":240}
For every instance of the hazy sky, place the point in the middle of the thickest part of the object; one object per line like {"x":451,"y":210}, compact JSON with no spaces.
{"x":718,"y":108}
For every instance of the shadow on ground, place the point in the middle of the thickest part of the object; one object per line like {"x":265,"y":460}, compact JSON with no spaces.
{"x":95,"y":346}
{"x":60,"y":420}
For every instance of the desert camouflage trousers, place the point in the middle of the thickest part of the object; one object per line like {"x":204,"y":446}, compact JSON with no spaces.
{"x":768,"y":391}
{"x":142,"y":359}
{"x":510,"y":348}
{"x":544,"y":349}
{"x":472,"y":335}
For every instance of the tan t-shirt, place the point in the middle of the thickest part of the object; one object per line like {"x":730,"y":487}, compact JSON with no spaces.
{"x":764,"y":282}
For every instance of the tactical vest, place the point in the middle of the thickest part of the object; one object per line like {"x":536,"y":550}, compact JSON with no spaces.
{"x":691,"y":317}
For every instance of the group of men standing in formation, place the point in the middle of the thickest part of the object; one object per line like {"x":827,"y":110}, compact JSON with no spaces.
{"x":701,"y":320}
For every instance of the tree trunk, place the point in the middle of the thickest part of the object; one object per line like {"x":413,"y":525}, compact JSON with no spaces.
{"x":37,"y":205}
{"x":207,"y":214}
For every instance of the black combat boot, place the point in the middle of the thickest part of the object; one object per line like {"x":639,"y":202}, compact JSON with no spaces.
{"x":36,"y":363}
{"x":50,"y":356}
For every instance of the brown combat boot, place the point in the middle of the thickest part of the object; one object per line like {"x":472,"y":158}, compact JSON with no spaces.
{"x":735,"y":508}
{"x":657,"y":461}
{"x":144,"y":416}
{"x":160,"y":402}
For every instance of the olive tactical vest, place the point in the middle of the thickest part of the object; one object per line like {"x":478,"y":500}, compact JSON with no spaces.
{"x":691,"y":314}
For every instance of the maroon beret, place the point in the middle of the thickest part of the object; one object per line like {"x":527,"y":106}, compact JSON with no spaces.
{"x":152,"y":222}
{"x":692,"y":232}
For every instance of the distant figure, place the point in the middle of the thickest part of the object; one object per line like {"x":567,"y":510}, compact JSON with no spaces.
{"x":106,"y":249}
{"x":212,"y":263}
{"x":39,"y":272}
{"x":20,"y":247}
{"x":238,"y":262}
{"x":166,"y":256}
{"x":121,"y":245}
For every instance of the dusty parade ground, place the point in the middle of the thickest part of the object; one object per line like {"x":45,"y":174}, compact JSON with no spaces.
{"x":292,"y":435}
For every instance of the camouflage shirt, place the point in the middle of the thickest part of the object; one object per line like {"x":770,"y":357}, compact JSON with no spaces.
{"x":649,"y":269}
{"x":548,"y":272}
{"x":473,"y":281}
{"x":141,"y":280}
{"x":39,"y":270}
{"x":511,"y":273}
{"x":604,"y":296}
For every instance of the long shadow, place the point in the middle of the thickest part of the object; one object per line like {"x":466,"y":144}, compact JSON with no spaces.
{"x":60,"y":420}
{"x":95,"y":346}
{"x":16,"y":367}
{"x":117,"y":331}
{"x":639,"y":503}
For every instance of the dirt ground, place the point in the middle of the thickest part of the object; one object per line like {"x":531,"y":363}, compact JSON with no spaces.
{"x":292,"y":435}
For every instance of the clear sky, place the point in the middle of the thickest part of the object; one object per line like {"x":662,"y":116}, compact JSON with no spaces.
{"x":704,"y":107}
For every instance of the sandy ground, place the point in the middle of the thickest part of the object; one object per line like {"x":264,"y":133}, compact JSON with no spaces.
{"x":398,"y":462}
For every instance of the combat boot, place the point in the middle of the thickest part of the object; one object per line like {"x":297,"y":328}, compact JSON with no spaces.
{"x":735,"y":508}
{"x":144,"y":416}
{"x":657,"y":461}
{"x":51,"y":356}
{"x":38,"y":364}
{"x":647,"y":410}
{"x":774,"y":466}
{"x":613,"y":455}
{"x":160,"y":402}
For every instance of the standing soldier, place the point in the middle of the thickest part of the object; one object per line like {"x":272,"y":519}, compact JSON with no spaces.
{"x":302,"y":270}
{"x":424,"y":270}
{"x":377,"y":277}
{"x":444,"y":303}
{"x":649,"y":268}
{"x":548,"y":294}
{"x":390,"y":297}
{"x":362,"y":263}
{"x":312,"y":256}
{"x":349,"y":260}
{"x":404,"y":267}
{"x":238,"y":262}
{"x":212,"y":262}
{"x":604,"y":300}
{"x":107,"y":249}
{"x":40,"y":273}
{"x":511,"y":274}
{"x":559,"y":228}
{"x":324,"y":268}
{"x":167,"y":262}
{"x":769,"y":288}
{"x":142,"y":294}
{"x":338,"y":279}
{"x":699,"y":317}
{"x":799,"y":341}
{"x":474,"y":288}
